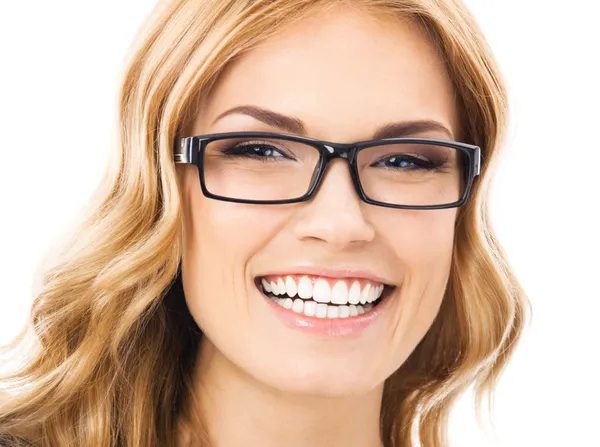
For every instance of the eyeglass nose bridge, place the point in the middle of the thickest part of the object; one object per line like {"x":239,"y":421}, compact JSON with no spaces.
{"x":346,"y":151}
{"x":338,"y":151}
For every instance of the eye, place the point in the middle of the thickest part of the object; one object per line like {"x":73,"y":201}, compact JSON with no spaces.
{"x":260,"y":150}
{"x":406,"y":162}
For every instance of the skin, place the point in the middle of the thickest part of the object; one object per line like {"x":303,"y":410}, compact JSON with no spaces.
{"x":343,"y":73}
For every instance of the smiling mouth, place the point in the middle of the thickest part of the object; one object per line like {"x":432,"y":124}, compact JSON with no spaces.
{"x":322,"y":297}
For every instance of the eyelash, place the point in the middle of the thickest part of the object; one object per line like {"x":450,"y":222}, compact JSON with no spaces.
{"x":240,"y":149}
{"x":235,"y":150}
{"x":421,"y":163}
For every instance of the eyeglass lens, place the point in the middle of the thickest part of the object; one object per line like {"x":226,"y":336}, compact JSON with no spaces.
{"x":269,"y":169}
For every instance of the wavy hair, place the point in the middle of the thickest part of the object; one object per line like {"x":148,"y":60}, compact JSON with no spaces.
{"x":107,"y":356}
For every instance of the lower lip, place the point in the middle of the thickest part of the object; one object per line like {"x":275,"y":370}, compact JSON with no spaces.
{"x":328,"y":327}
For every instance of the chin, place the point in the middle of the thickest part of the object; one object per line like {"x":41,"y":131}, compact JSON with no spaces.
{"x":321,"y":381}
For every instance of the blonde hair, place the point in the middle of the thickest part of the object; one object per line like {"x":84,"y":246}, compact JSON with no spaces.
{"x":114,"y":343}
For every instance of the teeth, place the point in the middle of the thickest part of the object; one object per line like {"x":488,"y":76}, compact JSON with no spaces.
{"x":321,"y":310}
{"x":339,"y":293}
{"x":281,"y":286}
{"x":298,"y":306}
{"x":313,"y":298}
{"x":344,"y":311}
{"x":321,"y":292}
{"x":364,"y":296}
{"x":310,"y":308}
{"x":266,"y":285}
{"x":305,"y":288}
{"x":290,"y":286}
{"x":354,"y":294}
{"x":372,"y":294}
{"x":333,"y":312}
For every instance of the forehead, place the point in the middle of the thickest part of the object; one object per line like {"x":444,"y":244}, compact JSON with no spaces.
{"x":342,"y":72}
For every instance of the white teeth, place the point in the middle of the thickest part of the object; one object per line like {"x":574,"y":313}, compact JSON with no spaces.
{"x":354,"y":294}
{"x":266,"y":285}
{"x":321,"y":311}
{"x":372,"y":294}
{"x":290,"y":286}
{"x":321,"y":292}
{"x":344,"y":311}
{"x":305,"y":288}
{"x":339,"y":293}
{"x":298,"y":306}
{"x":349,"y":300}
{"x":364,"y":296}
{"x":274,"y":288}
{"x":281,"y":286}
{"x":310,"y":308}
{"x":333,"y":312}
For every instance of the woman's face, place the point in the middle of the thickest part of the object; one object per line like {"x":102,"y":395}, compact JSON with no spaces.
{"x":343,"y":75}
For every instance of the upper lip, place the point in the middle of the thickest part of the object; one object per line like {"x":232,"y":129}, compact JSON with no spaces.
{"x":330,"y":272}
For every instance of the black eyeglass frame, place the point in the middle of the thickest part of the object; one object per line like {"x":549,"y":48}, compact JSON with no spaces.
{"x":191,"y":150}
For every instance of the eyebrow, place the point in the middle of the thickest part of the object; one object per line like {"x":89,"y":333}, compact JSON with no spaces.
{"x":296,"y":126}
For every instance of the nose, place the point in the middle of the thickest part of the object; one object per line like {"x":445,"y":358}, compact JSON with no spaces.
{"x":335,"y":213}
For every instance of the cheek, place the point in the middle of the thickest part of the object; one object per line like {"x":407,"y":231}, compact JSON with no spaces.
{"x":424,"y":246}
{"x":422,"y":238}
{"x":220,"y":239}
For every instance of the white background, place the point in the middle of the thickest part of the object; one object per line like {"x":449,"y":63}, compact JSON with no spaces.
{"x":59,"y":65}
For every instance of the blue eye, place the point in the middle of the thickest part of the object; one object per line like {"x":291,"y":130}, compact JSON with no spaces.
{"x":255,"y":150}
{"x":406,"y":162}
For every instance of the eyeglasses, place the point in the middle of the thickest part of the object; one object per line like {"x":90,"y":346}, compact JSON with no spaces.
{"x":276,"y":168}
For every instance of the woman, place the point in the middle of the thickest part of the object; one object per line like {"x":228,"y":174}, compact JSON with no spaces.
{"x":292,"y":247}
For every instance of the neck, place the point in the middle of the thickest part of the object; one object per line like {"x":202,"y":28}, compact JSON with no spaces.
{"x":237,"y":410}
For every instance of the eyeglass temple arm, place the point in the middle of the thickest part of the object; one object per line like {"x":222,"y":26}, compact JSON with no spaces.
{"x":183,"y":151}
